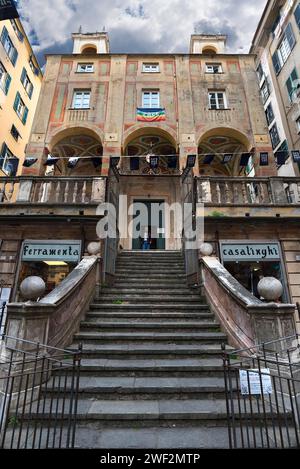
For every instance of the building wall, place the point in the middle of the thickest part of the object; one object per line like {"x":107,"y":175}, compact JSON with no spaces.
{"x":264,"y":46}
{"x":8,"y":116}
{"x":117,"y":84}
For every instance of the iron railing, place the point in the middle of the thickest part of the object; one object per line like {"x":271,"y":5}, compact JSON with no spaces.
{"x":38,"y":395}
{"x":263,"y":395}
{"x":3,"y":309}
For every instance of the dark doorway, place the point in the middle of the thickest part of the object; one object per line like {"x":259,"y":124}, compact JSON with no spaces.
{"x":149,"y":228}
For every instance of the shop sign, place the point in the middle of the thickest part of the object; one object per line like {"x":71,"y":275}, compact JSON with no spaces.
{"x":256,"y":381}
{"x":250,"y":252}
{"x":67,"y":251}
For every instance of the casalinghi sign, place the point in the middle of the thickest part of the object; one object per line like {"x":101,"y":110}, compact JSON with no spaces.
{"x":8,"y":10}
{"x":250,"y":251}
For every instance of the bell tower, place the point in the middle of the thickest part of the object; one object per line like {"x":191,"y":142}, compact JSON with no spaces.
{"x":208,"y":44}
{"x":90,"y":43}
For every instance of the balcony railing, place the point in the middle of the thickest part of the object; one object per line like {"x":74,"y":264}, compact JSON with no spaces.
{"x":240,"y":191}
{"x":52,"y":190}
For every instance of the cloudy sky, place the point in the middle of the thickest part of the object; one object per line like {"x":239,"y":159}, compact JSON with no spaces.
{"x":139,"y":25}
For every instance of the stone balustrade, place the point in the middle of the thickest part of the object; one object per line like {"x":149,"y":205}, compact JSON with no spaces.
{"x":242,"y":191}
{"x":245,"y":319}
{"x":52,"y":190}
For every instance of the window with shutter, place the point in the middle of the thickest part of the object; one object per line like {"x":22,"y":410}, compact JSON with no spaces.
{"x":25,"y":80}
{"x":8,"y":162}
{"x":297,"y":15}
{"x":289,"y":33}
{"x":292,"y":83}
{"x":7,"y":83}
{"x":276,"y":63}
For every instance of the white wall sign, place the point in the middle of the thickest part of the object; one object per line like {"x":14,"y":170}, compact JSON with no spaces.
{"x":259,"y":380}
{"x":67,"y":251}
{"x":250,"y":252}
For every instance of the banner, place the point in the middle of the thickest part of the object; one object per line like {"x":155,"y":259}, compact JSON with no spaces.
{"x":151,"y":115}
{"x":8,"y":10}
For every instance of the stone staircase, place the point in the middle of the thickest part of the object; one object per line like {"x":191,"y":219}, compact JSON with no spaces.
{"x":151,"y":373}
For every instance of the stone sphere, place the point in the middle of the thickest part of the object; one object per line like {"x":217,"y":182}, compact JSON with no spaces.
{"x":32,"y":288}
{"x":94,"y":248}
{"x":206,"y":249}
{"x":270,"y":288}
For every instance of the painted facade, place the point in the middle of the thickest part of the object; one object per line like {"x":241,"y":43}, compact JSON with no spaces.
{"x":20,"y":85}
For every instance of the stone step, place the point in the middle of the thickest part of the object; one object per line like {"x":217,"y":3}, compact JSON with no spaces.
{"x":208,"y":410}
{"x":144,"y":351}
{"x":151,"y":300}
{"x":146,"y":326}
{"x":147,"y":290}
{"x":158,"y":337}
{"x":150,"y":270}
{"x":153,"y":307}
{"x":150,"y":367}
{"x":136,"y":276}
{"x":118,"y":387}
{"x":128,"y":284}
{"x":150,"y":316}
{"x":161,"y":436}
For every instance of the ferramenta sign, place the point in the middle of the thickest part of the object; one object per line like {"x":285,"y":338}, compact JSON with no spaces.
{"x":8,"y":10}
{"x":68,"y":251}
{"x":250,"y":252}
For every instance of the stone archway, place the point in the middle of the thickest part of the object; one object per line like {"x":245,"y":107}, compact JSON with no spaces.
{"x":81,"y":143}
{"x":153,"y":141}
{"x":219,"y":142}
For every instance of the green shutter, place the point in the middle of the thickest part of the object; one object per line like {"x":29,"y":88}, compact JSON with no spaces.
{"x":14,"y":56}
{"x":30,"y":91}
{"x":17,"y":100}
{"x":4,"y":35}
{"x":7,"y":83}
{"x":276,"y":63}
{"x":290,"y":35}
{"x":25,"y":115}
{"x":297,"y":15}
{"x":23,"y":75}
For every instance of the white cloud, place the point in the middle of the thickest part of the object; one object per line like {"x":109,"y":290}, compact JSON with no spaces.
{"x":140,"y":25}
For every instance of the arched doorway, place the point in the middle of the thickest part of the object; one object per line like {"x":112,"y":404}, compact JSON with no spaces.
{"x":150,"y":189}
{"x":220,"y":151}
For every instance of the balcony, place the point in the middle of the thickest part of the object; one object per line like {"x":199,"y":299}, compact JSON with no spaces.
{"x":258,"y":197}
{"x":51,"y":195}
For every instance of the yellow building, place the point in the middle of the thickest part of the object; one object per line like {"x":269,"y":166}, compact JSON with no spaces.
{"x":20,"y":85}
